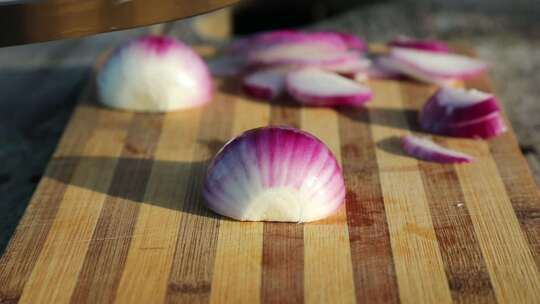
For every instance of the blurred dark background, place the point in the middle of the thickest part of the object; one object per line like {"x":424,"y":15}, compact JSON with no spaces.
{"x":40,"y":83}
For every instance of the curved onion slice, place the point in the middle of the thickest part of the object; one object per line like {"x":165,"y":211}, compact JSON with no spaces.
{"x":274,"y":174}
{"x":349,"y":68}
{"x":154,"y":74}
{"x":453,"y":105}
{"x":425,"y":45}
{"x":381,"y":68}
{"x":314,"y":87}
{"x":436,"y":65}
{"x":314,"y":53}
{"x":390,"y":65}
{"x":266,"y":83}
{"x":486,"y":127}
{"x":425,"y":149}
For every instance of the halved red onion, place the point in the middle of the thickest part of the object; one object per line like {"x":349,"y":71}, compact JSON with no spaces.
{"x":436,"y":65}
{"x":425,"y":45}
{"x":425,"y":149}
{"x":313,"y":53}
{"x":486,"y":127}
{"x":266,"y":83}
{"x":315,"y":87}
{"x":274,"y":174}
{"x":154,"y":74}
{"x":454,"y":105}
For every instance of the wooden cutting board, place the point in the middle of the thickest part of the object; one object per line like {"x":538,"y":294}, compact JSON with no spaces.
{"x":118,"y":215}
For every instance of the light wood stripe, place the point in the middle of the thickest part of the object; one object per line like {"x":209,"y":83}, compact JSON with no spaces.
{"x":191,"y":274}
{"x":467,"y":275}
{"x":328,"y":276}
{"x":417,"y":258}
{"x":283,"y":243}
{"x":59,"y":264}
{"x":238,"y":265}
{"x":373,"y":266}
{"x":154,"y":238}
{"x":21,"y":255}
{"x":105,"y":258}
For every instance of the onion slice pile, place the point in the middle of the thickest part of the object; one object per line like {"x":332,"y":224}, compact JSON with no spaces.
{"x":462,"y":113}
{"x":274,"y":174}
{"x":425,"y":149}
{"x":315,"y":87}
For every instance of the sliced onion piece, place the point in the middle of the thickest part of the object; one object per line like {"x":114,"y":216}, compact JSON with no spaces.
{"x":425,"y":149}
{"x":274,"y":174}
{"x":394,"y":66}
{"x":454,"y":105}
{"x":425,"y":45}
{"x":154,"y":74}
{"x":301,"y":54}
{"x":315,"y":87}
{"x":486,"y":127}
{"x":266,"y":83}
{"x":436,"y":65}
{"x":349,"y":68}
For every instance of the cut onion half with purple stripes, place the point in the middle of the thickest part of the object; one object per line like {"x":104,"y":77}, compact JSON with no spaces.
{"x":455,"y":105}
{"x":266,"y":83}
{"x":154,"y":74}
{"x":313,"y":54}
{"x":437,"y":65}
{"x":315,"y":87}
{"x":425,"y":149}
{"x":424,"y":45}
{"x":274,"y":174}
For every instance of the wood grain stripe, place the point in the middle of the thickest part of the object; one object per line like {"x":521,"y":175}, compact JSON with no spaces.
{"x":104,"y":263}
{"x":191,"y":274}
{"x":58,"y":265}
{"x":371,"y":253}
{"x":154,"y":238}
{"x":24,"y":248}
{"x":417,"y":257}
{"x":328,"y":274}
{"x":465,"y":267}
{"x":237,"y":269}
{"x":283,"y":244}
{"x":517,"y":178}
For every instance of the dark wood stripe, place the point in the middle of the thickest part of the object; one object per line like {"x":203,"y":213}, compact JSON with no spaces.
{"x":191,"y":274}
{"x":283,"y":243}
{"x":464,"y":263}
{"x":107,"y":252}
{"x":25,"y":246}
{"x":374,"y":273}
{"x":517,"y":178}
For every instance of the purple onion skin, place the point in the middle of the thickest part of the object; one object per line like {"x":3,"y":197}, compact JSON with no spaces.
{"x":274,"y":161}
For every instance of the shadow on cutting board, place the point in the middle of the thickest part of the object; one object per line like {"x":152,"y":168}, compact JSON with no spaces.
{"x":168,"y":184}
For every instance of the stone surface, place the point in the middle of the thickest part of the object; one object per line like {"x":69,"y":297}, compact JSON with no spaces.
{"x":40,"y":83}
